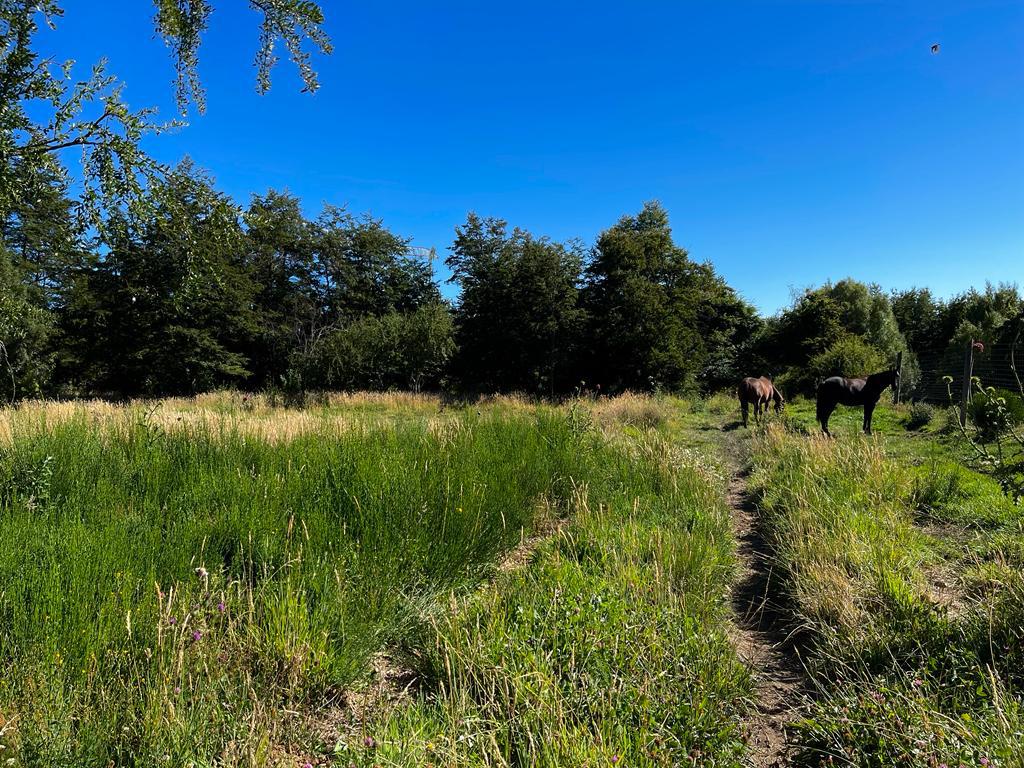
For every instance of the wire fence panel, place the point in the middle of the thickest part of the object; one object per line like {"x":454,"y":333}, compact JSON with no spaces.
{"x":993,"y":365}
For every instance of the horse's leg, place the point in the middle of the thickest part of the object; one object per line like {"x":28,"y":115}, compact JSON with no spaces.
{"x":869,"y":409}
{"x":745,"y":407}
{"x":826,"y":414}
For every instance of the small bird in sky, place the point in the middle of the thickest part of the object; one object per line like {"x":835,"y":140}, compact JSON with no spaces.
{"x":935,"y":47}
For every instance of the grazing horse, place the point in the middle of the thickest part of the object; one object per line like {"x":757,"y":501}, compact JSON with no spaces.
{"x":759,"y":392}
{"x":839,"y":390}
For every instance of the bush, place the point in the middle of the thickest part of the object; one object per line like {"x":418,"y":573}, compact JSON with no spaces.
{"x":849,"y":356}
{"x":920,"y":415}
{"x":995,"y":411}
{"x":393,"y":351}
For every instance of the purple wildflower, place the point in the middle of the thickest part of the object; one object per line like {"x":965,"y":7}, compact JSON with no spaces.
{"x":220,"y":606}
{"x":172,"y":620}
{"x":197,"y":635}
{"x":370,"y":742}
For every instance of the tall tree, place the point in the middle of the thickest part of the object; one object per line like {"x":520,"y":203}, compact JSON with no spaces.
{"x":168,"y":310}
{"x":518,"y":320}
{"x":918,"y":314}
{"x":280,"y":250}
{"x":656,"y":316}
{"x":365,"y":269}
{"x":25,"y":332}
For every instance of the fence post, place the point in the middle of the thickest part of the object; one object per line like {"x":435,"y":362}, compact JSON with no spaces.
{"x":899,"y":378}
{"x":965,"y":395}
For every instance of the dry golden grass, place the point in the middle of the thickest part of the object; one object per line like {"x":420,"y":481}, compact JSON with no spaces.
{"x":230,"y":413}
{"x":260,"y":416}
{"x":631,"y":409}
{"x":836,"y":510}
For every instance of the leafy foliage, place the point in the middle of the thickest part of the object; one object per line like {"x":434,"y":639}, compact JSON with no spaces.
{"x":657,"y":318}
{"x":181,"y":24}
{"x":379,"y":352}
{"x":846,"y":328}
{"x":168,"y":309}
{"x":518,"y":318}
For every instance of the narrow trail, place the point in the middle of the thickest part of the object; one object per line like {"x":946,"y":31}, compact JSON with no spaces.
{"x":760,"y":632}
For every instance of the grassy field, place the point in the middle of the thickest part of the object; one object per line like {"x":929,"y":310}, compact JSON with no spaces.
{"x":215,"y":581}
{"x":383,"y":580}
{"x":903,"y":574}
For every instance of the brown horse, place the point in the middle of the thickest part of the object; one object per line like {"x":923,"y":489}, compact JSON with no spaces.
{"x":760,"y":392}
{"x":838,"y":390}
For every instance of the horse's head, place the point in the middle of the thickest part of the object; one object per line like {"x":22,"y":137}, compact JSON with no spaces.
{"x":780,"y":401}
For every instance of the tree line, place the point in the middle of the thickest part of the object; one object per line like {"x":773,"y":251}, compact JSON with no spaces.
{"x":190,"y":292}
{"x":149,"y":281}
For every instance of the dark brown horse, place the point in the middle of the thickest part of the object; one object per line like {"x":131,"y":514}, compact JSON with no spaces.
{"x":839,"y":390}
{"x":760,"y":392}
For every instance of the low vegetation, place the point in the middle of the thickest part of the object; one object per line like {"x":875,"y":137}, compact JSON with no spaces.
{"x":215,"y":581}
{"x":608,"y":646}
{"x":905,"y":586}
{"x":171,"y":591}
{"x":388,"y":580}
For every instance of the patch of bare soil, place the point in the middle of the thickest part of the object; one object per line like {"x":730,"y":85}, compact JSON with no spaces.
{"x":761,"y":637}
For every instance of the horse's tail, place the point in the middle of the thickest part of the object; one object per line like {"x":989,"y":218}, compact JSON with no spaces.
{"x":819,"y":407}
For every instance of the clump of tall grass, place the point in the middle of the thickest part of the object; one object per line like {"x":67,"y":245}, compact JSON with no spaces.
{"x":168,"y":593}
{"x":904,"y":676}
{"x":840,"y":532}
{"x":609,"y":647}
{"x":633,"y":410}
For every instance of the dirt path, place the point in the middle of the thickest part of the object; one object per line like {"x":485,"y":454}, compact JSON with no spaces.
{"x":760,"y":632}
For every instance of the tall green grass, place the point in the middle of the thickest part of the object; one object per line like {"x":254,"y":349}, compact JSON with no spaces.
{"x":907,"y":674}
{"x":169,"y":597}
{"x":609,"y":648}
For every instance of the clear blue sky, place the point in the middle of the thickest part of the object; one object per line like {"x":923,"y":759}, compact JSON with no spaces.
{"x":792,"y":143}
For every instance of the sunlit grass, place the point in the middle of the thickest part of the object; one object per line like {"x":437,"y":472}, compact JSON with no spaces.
{"x":908,"y":672}
{"x":294,"y":559}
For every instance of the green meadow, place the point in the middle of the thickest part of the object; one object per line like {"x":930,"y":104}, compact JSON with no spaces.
{"x":389,"y":580}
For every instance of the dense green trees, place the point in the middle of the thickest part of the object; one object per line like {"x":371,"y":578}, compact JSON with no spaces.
{"x":519,"y":319}
{"x":844,"y":328}
{"x":190,"y":292}
{"x":658,"y":318}
{"x":934,"y":325}
{"x":169,"y":307}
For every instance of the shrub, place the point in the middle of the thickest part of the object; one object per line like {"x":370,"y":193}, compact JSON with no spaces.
{"x":995,"y":411}
{"x":850,"y":356}
{"x":920,"y":415}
